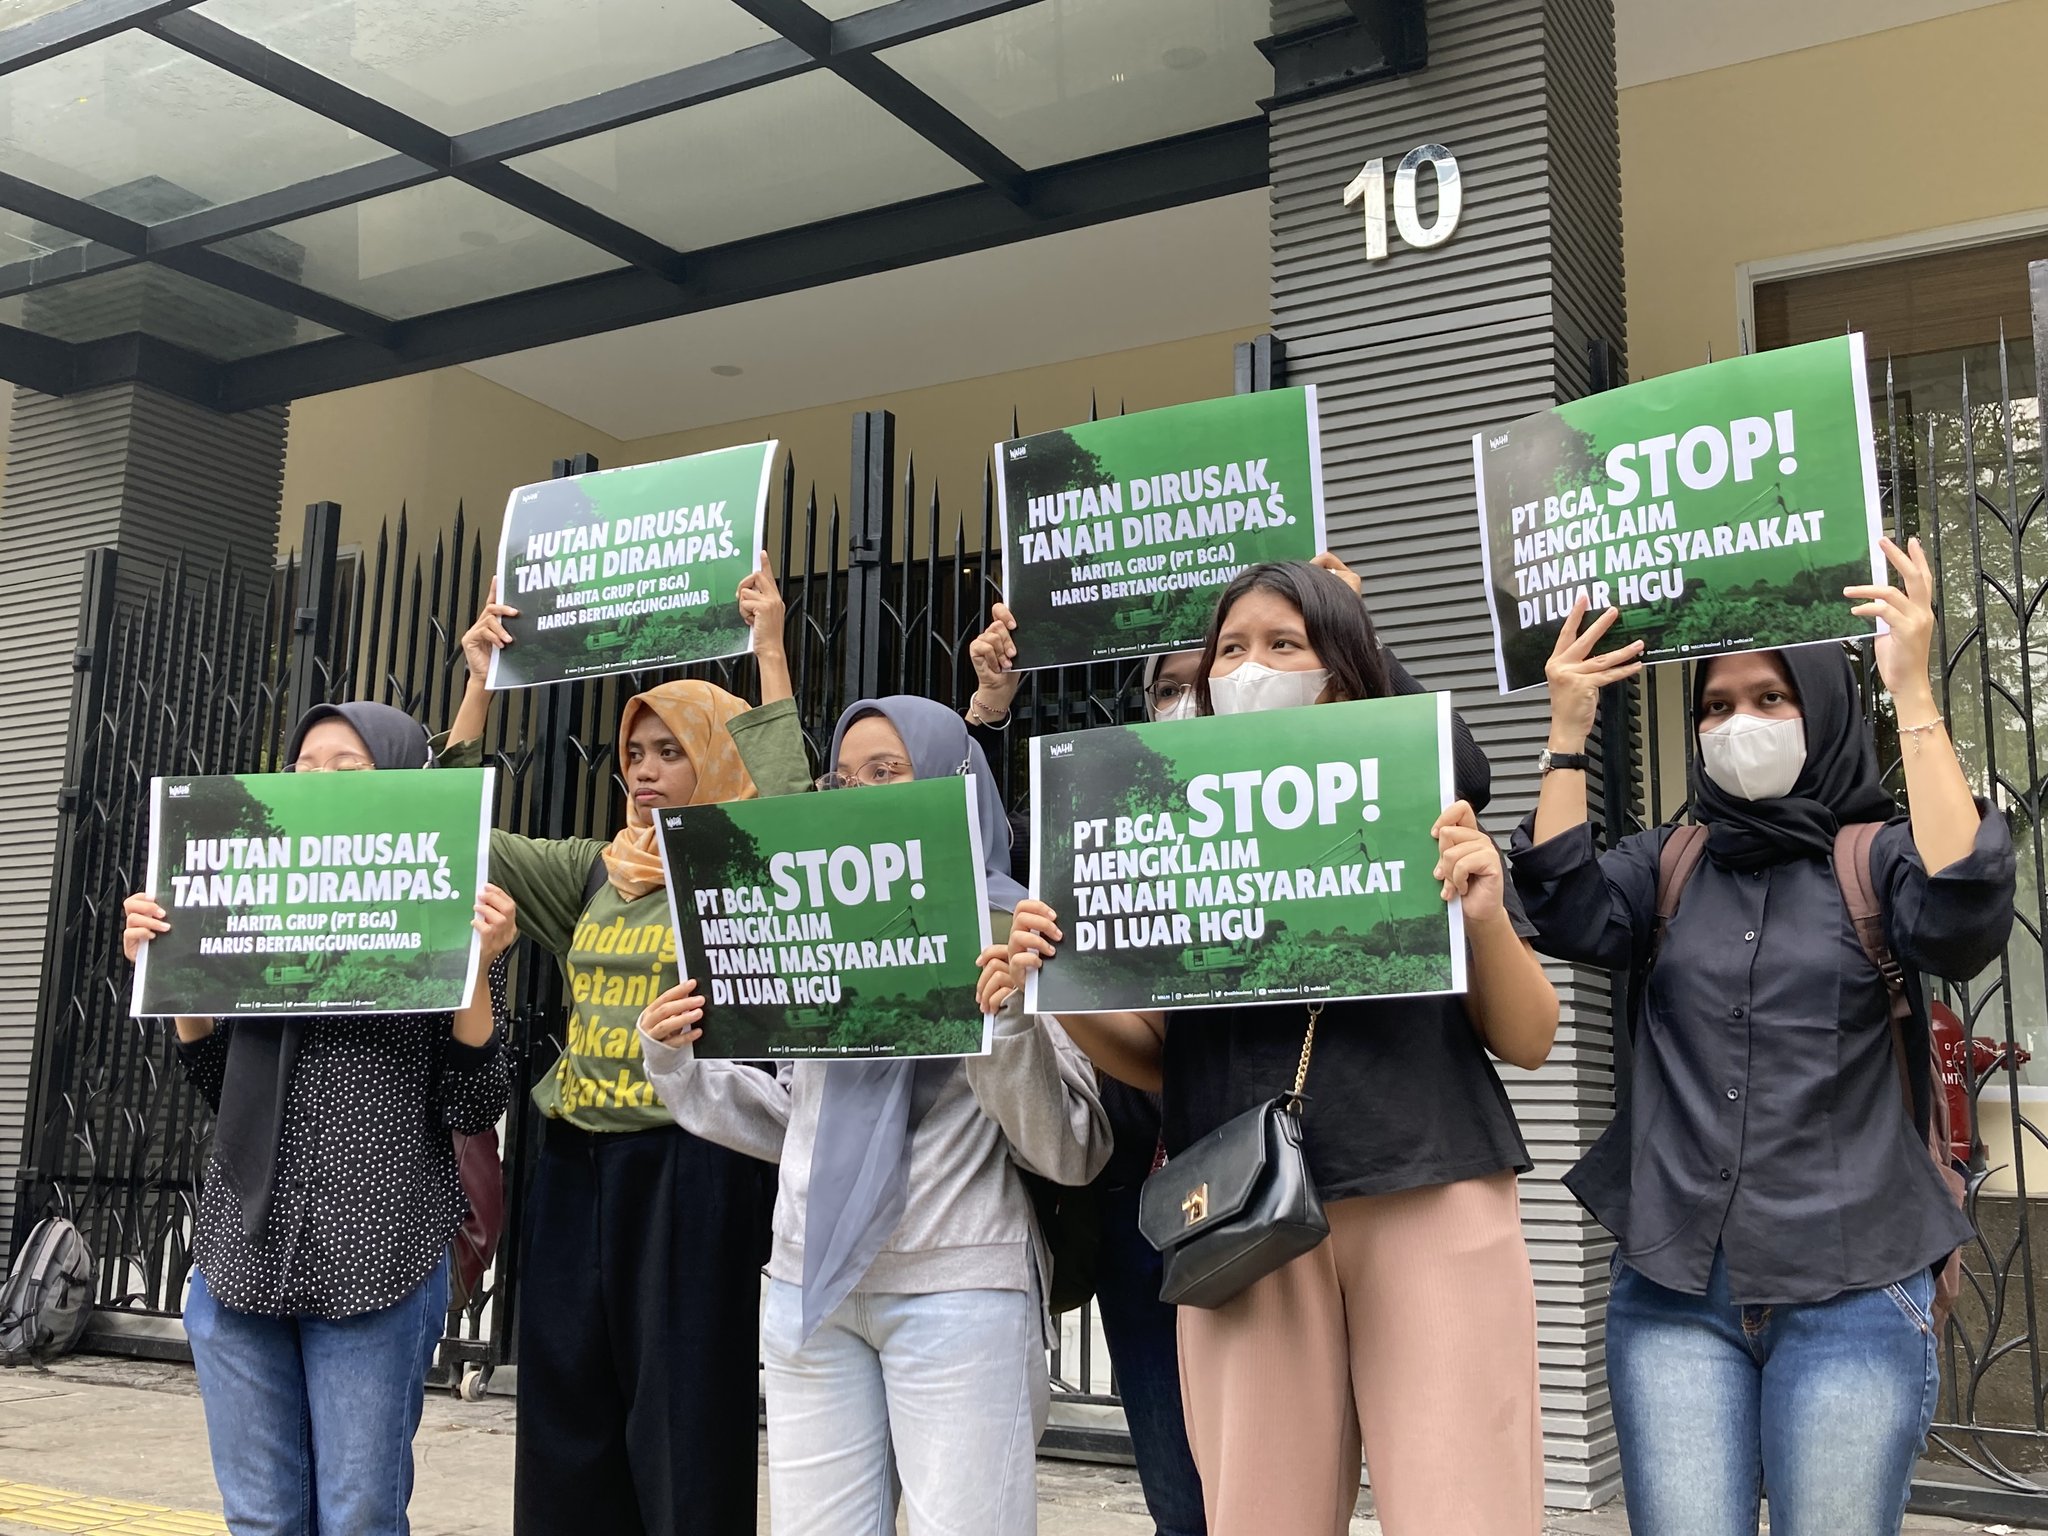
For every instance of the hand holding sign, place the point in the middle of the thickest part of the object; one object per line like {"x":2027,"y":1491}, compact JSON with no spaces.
{"x":1468,"y":864}
{"x":1576,"y":675}
{"x":995,"y":984}
{"x":994,"y":655}
{"x":1903,"y":647}
{"x":144,"y":921}
{"x":496,"y":922}
{"x":483,"y":639}
{"x":675,"y":1017}
{"x":1034,"y":937}
{"x":761,"y":605}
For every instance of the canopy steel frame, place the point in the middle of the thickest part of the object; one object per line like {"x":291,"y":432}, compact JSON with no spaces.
{"x":656,"y":280}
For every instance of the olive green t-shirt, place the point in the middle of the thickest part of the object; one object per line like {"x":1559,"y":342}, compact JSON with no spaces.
{"x":617,"y":955}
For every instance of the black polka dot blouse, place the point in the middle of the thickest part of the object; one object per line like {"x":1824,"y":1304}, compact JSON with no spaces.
{"x":366,"y":1196}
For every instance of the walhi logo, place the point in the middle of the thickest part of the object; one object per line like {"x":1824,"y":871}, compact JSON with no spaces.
{"x":178,"y":791}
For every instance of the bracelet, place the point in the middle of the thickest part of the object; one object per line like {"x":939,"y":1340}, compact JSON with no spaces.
{"x":1920,"y":730}
{"x":977,"y":714}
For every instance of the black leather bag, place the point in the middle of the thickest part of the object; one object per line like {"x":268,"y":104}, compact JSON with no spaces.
{"x":1237,"y":1204}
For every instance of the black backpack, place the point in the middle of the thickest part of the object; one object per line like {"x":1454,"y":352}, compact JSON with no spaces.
{"x":48,"y":1297}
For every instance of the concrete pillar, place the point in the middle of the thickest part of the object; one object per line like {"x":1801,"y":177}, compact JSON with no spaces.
{"x":1411,"y":353}
{"x":126,"y":467}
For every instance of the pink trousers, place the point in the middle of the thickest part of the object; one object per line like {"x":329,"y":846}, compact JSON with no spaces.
{"x":1413,"y":1325}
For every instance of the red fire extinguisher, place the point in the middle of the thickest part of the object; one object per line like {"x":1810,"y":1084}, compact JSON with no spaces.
{"x":1985,"y":1057}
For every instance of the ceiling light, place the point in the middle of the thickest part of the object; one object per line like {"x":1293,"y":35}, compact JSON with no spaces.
{"x":727,"y":370}
{"x":1183,"y":58}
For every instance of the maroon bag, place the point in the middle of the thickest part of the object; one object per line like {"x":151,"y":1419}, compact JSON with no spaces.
{"x":475,"y":1242}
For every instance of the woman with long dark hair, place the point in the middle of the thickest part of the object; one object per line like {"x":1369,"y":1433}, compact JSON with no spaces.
{"x":320,"y":1249}
{"x":1777,"y":1217}
{"x":1414,"y":1324}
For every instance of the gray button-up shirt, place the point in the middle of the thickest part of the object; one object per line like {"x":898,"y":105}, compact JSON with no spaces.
{"x":1766,"y":1116}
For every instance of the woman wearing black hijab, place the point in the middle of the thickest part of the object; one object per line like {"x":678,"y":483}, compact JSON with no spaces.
{"x":1777,"y":1218}
{"x":320,"y":1250}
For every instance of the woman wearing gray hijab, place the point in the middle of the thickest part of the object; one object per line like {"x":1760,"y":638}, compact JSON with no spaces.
{"x":903,"y":1342}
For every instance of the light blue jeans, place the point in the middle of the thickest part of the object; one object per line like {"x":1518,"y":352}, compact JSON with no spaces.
{"x":940,"y":1397}
{"x":1822,"y":1407}
{"x":310,"y":1420}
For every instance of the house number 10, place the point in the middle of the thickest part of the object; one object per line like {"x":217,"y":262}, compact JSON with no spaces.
{"x":1369,"y":187}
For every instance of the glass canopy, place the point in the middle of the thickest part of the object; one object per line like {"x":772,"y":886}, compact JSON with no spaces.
{"x":300,"y":195}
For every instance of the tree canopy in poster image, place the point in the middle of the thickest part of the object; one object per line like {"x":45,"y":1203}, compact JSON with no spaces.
{"x":215,"y":808}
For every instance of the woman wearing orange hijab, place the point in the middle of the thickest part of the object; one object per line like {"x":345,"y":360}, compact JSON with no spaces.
{"x":640,"y":1274}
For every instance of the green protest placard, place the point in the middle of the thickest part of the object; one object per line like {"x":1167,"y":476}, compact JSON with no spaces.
{"x":1720,"y":509}
{"x":625,"y":569}
{"x":1118,"y":533}
{"x":297,"y":893}
{"x":1260,"y":858}
{"x":844,"y":924}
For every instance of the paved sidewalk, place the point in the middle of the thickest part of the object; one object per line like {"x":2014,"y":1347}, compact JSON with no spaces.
{"x":118,"y":1448}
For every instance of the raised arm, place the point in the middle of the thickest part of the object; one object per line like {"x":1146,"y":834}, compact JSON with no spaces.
{"x":1944,"y":812}
{"x":762,"y":607}
{"x":1576,"y":677}
{"x":996,"y":678}
{"x":481,"y":641}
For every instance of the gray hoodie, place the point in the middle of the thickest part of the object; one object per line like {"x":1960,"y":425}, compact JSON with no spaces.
{"x":967,"y":1225}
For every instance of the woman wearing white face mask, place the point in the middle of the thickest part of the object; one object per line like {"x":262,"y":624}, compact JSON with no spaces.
{"x":1414,"y":1324}
{"x":1777,"y":1215}
{"x":1138,"y":1326}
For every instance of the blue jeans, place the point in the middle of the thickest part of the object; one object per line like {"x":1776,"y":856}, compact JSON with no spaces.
{"x":311,"y":1421}
{"x":939,"y":1397}
{"x":1823,"y":1407}
{"x":1139,"y":1328}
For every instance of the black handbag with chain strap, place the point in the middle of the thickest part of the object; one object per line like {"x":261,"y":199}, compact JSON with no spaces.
{"x":1237,"y":1204}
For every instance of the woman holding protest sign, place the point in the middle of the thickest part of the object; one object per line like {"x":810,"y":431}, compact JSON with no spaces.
{"x":1138,"y":1326}
{"x":903,"y":1341}
{"x":320,"y":1252}
{"x":1772,"y":1329}
{"x":1414,"y":1322}
{"x":640,"y":1276}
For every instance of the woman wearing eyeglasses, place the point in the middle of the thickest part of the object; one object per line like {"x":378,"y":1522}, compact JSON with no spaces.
{"x":320,"y":1248}
{"x":640,"y":1275}
{"x":903,"y":1341}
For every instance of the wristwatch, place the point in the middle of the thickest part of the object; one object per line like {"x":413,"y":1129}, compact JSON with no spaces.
{"x":1547,"y":760}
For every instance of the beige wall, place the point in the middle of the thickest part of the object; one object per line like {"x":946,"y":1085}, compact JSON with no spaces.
{"x":435,"y":438}
{"x":948,"y":429}
{"x":1911,"y":129}
{"x":428,"y":442}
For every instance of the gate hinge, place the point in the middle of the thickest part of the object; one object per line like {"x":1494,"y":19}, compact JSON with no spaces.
{"x":68,"y":799}
{"x":81,"y":659}
{"x":864,"y":552}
